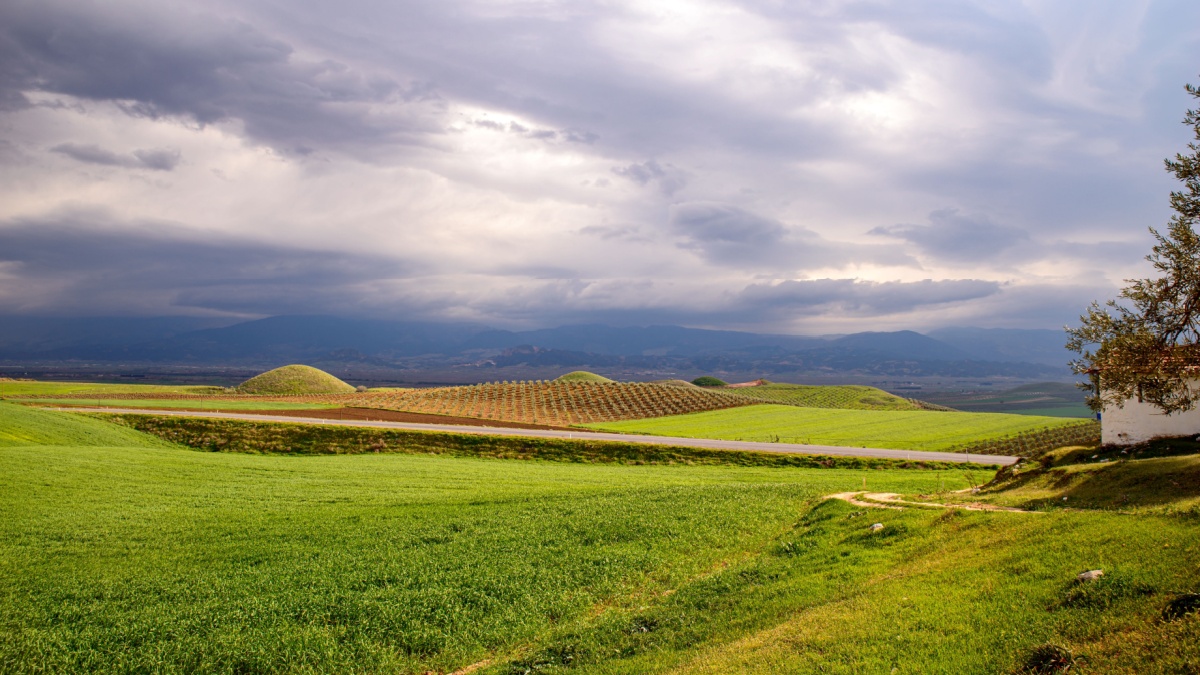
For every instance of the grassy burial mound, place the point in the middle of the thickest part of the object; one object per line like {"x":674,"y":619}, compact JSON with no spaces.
{"x":709,"y":381}
{"x":846,"y":397}
{"x":558,"y":403}
{"x":987,"y":433}
{"x":582,"y":376}
{"x":293,"y":381}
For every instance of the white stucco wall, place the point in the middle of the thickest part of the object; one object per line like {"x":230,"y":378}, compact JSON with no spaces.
{"x":1137,"y":422}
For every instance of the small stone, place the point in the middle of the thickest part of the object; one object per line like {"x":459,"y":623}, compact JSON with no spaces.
{"x":1090,"y":575}
{"x":876,"y":527}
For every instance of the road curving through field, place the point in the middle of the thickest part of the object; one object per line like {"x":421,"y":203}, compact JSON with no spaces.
{"x":713,"y":444}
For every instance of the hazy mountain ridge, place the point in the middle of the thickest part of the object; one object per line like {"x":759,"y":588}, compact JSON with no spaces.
{"x":966,"y":352}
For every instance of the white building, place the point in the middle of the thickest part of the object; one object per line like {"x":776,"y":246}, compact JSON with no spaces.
{"x":1139,"y":421}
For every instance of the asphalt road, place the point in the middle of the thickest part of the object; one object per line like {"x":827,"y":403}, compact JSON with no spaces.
{"x":788,"y":448}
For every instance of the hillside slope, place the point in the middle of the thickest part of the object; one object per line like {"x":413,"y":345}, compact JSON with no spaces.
{"x":21,"y":426}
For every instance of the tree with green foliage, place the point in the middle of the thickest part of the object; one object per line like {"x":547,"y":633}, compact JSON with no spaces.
{"x":709,"y":381}
{"x":1146,"y":343}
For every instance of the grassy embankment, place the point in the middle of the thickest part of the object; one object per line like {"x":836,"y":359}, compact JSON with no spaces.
{"x":148,"y":557}
{"x":215,"y":435}
{"x":902,"y":430}
{"x":1161,"y":474}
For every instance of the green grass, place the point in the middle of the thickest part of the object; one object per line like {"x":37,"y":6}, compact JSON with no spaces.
{"x":1164,"y":473}
{"x":932,"y":593}
{"x":293,"y":380}
{"x":1078,"y":411}
{"x":902,"y":430}
{"x":582,"y":376}
{"x":21,"y":426}
{"x":197,"y":403}
{"x":848,"y":397}
{"x":139,"y":559}
{"x":151,"y":558}
{"x":14,"y":388}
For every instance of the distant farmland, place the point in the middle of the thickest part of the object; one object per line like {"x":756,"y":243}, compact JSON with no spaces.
{"x":901,"y":430}
{"x":827,"y":415}
{"x":846,"y":397}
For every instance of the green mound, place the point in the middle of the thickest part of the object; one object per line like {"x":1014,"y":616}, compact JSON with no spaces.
{"x":293,"y":380}
{"x":848,"y":397}
{"x":21,"y":426}
{"x":675,"y":383}
{"x":582,"y":376}
{"x":708,"y":381}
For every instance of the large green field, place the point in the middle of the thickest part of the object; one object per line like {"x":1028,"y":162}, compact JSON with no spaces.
{"x":198,"y":403}
{"x":14,"y":388}
{"x":902,"y":430}
{"x":119,"y":553}
{"x":848,"y":397}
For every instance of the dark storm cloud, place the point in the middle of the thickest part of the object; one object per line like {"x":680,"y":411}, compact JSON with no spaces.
{"x":730,"y":236}
{"x":851,"y":107}
{"x":861,"y":298}
{"x":952,"y":237}
{"x":549,"y":64}
{"x":90,"y":262}
{"x":159,"y":160}
{"x":669,"y":179}
{"x":157,"y":61}
{"x":771,"y":306}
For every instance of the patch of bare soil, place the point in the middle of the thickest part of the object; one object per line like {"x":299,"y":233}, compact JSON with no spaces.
{"x":376,"y":415}
{"x":891,"y":500}
{"x":472,"y":668}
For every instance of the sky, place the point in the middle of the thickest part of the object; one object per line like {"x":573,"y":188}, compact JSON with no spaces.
{"x":803,"y":167}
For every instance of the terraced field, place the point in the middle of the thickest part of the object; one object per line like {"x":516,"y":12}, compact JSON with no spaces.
{"x":555,"y":403}
{"x":901,"y":430}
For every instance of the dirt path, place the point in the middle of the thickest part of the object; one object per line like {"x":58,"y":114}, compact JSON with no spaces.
{"x":891,"y":500}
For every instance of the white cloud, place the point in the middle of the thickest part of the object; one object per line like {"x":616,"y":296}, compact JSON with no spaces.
{"x":548,"y":161}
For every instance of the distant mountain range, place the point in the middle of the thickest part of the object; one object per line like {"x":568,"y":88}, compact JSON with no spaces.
{"x":476,"y":349}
